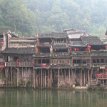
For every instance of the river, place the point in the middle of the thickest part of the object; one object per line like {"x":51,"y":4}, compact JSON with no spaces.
{"x":52,"y":98}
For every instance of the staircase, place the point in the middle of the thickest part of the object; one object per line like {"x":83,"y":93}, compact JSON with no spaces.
{"x":93,"y":82}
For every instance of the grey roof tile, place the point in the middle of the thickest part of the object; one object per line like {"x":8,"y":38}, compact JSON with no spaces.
{"x":19,"y":51}
{"x":92,"y":40}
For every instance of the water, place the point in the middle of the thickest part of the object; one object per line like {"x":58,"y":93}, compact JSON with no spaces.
{"x":51,"y":98}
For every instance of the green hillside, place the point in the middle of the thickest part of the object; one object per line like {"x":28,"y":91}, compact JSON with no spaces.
{"x":30,"y":16}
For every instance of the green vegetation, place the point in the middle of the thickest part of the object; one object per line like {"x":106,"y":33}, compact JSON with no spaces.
{"x":31,"y":16}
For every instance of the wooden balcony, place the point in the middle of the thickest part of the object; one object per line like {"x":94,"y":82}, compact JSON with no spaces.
{"x":98,"y":53}
{"x":47,"y":44}
{"x":19,"y":64}
{"x":80,"y":53}
{"x":42,"y":55}
{"x":2,"y":64}
{"x":81,"y":65}
{"x":25,"y":64}
{"x":43,"y":65}
{"x":10,"y":64}
{"x":101,"y":76}
{"x":102,"y":65}
{"x":90,"y":54}
{"x":63,"y":54}
{"x":60,"y":66}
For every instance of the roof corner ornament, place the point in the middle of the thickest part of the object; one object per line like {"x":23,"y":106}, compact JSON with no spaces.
{"x":51,"y":49}
{"x":37,"y":35}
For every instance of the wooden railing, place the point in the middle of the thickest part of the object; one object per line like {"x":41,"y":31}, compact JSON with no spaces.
{"x":98,"y":53}
{"x":60,"y":54}
{"x":25,"y":64}
{"x":44,"y":44}
{"x":91,"y":53}
{"x":98,"y":64}
{"x":2,"y":64}
{"x":81,"y":65}
{"x":80,"y":53}
{"x":10,"y":64}
{"x":19,"y":64}
{"x":101,"y":76}
{"x":42,"y":55}
{"x":42,"y":65}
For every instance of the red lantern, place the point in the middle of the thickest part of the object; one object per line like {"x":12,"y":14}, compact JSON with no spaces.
{"x":43,"y":65}
{"x":2,"y":64}
{"x":89,"y":47}
{"x":105,"y":46}
{"x":70,"y":50}
{"x":17,"y":62}
{"x":101,"y":75}
{"x":76,"y":49}
{"x":33,"y":63}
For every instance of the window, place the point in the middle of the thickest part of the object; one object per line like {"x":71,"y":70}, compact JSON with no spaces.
{"x":94,"y":61}
{"x":102,"y":60}
{"x":98,"y":61}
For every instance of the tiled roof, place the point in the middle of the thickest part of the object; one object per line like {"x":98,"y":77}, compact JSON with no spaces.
{"x":92,"y":40}
{"x":75,"y":35}
{"x":45,"y":35}
{"x":61,"y":46}
{"x":59,"y":35}
{"x":77,"y":43}
{"x":99,"y":53}
{"x":53,"y":35}
{"x":19,"y":51}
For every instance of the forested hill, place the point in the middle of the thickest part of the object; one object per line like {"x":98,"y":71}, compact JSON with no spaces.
{"x":31,"y":16}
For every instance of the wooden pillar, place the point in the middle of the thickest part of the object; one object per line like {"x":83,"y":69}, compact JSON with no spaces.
{"x":38,"y":73}
{"x":61,"y":75}
{"x":58,"y":77}
{"x":17,"y":77}
{"x":34,"y":78}
{"x":6,"y":76}
{"x":21,"y":74}
{"x":72,"y":77}
{"x":38,"y":78}
{"x":91,"y":73}
{"x":84,"y":72}
{"x":23,"y":77}
{"x":50,"y":78}
{"x":11,"y":76}
{"x":45,"y":78}
{"x":103,"y":77}
{"x":41,"y":78}
{"x":88,"y":76}
{"x":25,"y":73}
{"x":69,"y":77}
{"x":81,"y":78}
{"x":64,"y":75}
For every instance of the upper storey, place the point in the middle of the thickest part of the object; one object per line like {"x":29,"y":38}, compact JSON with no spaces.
{"x":54,"y":43}
{"x":3,"y":38}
